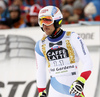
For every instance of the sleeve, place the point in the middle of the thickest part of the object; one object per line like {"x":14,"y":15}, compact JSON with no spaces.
{"x":41,"y":68}
{"x":83,"y":54}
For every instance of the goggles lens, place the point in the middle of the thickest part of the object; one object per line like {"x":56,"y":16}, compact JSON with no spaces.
{"x":47,"y":20}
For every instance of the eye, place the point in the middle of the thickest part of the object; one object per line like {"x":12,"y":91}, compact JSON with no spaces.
{"x":45,"y":19}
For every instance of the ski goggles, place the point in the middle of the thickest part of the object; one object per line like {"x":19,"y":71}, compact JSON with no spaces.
{"x":47,"y":20}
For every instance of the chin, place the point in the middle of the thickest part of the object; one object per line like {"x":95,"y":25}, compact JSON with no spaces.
{"x":47,"y":33}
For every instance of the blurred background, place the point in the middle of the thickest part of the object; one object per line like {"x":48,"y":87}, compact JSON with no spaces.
{"x":19,"y":32}
{"x":24,"y":13}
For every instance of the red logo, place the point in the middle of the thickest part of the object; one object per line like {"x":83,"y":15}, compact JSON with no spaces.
{"x":44,"y":11}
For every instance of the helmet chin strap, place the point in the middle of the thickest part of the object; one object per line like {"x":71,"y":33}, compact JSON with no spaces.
{"x":53,"y":33}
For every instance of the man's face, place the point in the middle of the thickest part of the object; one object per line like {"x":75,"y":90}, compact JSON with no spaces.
{"x":14,"y":14}
{"x":65,"y":14}
{"x":33,"y":20}
{"x":48,"y":29}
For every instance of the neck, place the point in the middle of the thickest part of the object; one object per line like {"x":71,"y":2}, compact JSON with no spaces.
{"x":57,"y":33}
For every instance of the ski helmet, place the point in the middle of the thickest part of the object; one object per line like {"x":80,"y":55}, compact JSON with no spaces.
{"x":49,"y":15}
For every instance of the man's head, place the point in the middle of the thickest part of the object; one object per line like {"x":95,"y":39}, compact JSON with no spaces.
{"x":78,"y":8}
{"x":33,"y":14}
{"x":50,"y":17}
{"x":14,"y":12}
{"x":67,"y":10}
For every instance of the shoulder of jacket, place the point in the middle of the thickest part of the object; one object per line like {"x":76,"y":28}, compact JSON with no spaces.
{"x":43,"y":38}
{"x":68,"y":33}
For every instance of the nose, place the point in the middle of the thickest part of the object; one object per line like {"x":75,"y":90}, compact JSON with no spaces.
{"x":45,"y":26}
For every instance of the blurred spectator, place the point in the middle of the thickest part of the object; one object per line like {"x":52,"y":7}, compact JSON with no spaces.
{"x":63,"y":2}
{"x":89,"y":10}
{"x":48,"y":2}
{"x":15,"y":15}
{"x":83,"y":2}
{"x":78,"y":11}
{"x":92,"y":10}
{"x":3,"y":10}
{"x":24,"y":9}
{"x":67,"y":11}
{"x":19,"y":3}
{"x":5,"y":23}
{"x":33,"y":15}
{"x":66,"y":2}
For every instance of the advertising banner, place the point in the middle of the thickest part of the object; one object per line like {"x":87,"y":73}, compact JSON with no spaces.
{"x":90,"y":34}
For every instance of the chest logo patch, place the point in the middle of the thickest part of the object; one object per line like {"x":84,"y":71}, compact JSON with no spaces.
{"x":56,"y":53}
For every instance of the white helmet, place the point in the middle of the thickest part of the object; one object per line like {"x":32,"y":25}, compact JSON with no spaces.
{"x":49,"y":15}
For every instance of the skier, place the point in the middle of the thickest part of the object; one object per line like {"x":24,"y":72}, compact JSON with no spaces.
{"x":61,"y":50}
